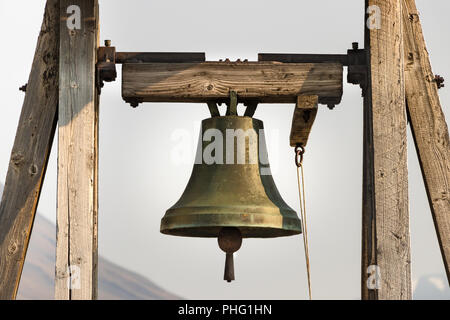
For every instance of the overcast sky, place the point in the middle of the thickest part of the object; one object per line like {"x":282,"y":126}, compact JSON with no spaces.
{"x":139,"y":178}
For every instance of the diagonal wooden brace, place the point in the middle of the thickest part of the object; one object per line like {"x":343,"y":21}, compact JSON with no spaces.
{"x":30,"y":154}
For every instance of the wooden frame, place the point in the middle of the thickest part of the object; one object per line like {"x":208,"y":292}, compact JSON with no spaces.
{"x":386,"y":260}
{"x":76,"y":246}
{"x":64,"y":70}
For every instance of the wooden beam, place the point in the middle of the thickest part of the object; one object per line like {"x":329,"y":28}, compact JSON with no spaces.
{"x":30,"y":154}
{"x":267,"y":82}
{"x":304,"y":115}
{"x":428,"y":126}
{"x":386,"y":240}
{"x":76,"y":251}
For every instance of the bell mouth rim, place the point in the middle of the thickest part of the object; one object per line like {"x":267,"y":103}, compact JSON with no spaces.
{"x":247,"y":232}
{"x":262,"y":226}
{"x":221,"y":117}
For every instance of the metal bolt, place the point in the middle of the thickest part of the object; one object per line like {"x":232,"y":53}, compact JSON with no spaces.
{"x":439,"y":81}
{"x":107,"y":43}
{"x":413,"y":17}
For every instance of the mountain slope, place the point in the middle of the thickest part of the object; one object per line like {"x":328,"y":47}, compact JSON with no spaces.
{"x":115,"y":282}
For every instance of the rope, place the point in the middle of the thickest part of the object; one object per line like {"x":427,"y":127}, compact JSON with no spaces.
{"x":299,"y":151}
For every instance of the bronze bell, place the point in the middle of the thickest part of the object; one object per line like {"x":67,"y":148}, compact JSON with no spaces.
{"x":231,"y":193}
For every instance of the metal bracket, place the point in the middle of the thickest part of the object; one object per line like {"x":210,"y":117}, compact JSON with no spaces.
{"x":251,"y":108}
{"x":357,"y":67}
{"x":107,"y":58}
{"x":106,"y":64}
{"x":439,"y":81}
{"x":355,"y":60}
{"x":134,"y":103}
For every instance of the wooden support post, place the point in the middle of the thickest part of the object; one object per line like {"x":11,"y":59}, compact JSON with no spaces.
{"x":76,"y":250}
{"x":304,"y":115}
{"x":30,"y":154}
{"x":428,"y":126}
{"x":386,"y":271}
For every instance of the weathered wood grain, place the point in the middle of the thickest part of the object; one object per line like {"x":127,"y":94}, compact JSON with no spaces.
{"x":76,"y":252}
{"x":30,"y":154}
{"x":303,"y":119}
{"x":428,"y":126}
{"x":267,"y":82}
{"x":386,"y":240}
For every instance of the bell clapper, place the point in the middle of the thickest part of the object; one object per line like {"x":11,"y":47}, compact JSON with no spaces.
{"x":230,"y":240}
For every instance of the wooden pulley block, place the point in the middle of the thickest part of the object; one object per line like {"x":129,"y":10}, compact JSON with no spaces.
{"x":304,"y":115}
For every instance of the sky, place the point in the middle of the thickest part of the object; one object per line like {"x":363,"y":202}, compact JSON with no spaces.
{"x":147,"y":153}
